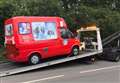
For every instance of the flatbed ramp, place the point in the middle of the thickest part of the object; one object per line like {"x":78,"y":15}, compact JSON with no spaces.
{"x":20,"y":69}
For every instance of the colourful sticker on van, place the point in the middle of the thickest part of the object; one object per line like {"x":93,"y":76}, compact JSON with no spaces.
{"x":44,"y":30}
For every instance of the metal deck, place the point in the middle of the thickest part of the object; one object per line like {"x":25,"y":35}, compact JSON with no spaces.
{"x":14,"y":69}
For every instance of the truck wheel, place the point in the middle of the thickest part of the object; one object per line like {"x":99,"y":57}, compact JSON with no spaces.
{"x":34,"y":59}
{"x":117,"y":58}
{"x":75,"y":51}
{"x":90,"y":60}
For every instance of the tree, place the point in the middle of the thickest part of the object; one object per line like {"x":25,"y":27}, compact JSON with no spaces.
{"x":105,"y":13}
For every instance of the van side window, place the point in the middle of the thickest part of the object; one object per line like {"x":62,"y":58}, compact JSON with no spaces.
{"x":44,"y":30}
{"x":65,"y":33}
{"x":71,"y":35}
{"x":24,"y":28}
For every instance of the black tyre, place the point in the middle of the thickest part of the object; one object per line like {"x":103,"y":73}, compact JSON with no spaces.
{"x":90,"y":60}
{"x":75,"y":51}
{"x":34,"y":59}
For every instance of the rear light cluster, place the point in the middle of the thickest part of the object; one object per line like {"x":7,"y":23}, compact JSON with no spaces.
{"x":9,"y":41}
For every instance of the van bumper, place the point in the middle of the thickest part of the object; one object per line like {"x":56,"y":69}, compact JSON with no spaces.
{"x":16,"y":58}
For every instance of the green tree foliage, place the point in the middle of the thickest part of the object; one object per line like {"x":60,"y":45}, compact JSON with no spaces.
{"x":105,"y":13}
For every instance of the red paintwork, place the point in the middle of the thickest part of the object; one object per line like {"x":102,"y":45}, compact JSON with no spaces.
{"x":25,"y":45}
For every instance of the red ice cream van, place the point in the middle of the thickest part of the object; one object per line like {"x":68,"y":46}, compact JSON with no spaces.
{"x":30,"y":39}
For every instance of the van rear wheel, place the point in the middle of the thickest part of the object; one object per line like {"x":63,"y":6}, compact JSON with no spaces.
{"x":75,"y":51}
{"x":34,"y":59}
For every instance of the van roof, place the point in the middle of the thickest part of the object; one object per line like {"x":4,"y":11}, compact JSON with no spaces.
{"x":34,"y":17}
{"x":46,"y":17}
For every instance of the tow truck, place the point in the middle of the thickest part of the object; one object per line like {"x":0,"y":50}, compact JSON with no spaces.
{"x":95,"y":49}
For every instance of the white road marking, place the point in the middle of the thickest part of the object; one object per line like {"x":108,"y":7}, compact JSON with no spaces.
{"x":48,"y":78}
{"x":104,"y":68}
{"x":82,"y":72}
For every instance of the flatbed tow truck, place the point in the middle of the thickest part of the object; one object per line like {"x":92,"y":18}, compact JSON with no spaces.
{"x":83,"y":53}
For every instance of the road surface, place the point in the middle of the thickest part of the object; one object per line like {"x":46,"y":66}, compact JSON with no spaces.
{"x":70,"y":72}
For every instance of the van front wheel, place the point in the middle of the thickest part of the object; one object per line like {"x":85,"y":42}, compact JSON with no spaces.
{"x":34,"y":59}
{"x":75,"y":51}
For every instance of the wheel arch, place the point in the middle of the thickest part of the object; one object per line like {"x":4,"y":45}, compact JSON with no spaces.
{"x":35,"y":52}
{"x":75,"y":46}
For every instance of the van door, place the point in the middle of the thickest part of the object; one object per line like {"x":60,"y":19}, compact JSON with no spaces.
{"x":67,"y":40}
{"x":9,"y":38}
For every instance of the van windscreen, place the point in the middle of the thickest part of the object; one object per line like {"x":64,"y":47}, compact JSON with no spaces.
{"x":8,"y":30}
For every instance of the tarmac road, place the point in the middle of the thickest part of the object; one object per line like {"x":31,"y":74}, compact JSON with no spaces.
{"x":70,"y":72}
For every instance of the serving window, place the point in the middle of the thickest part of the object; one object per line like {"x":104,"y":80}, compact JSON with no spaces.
{"x":44,"y":30}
